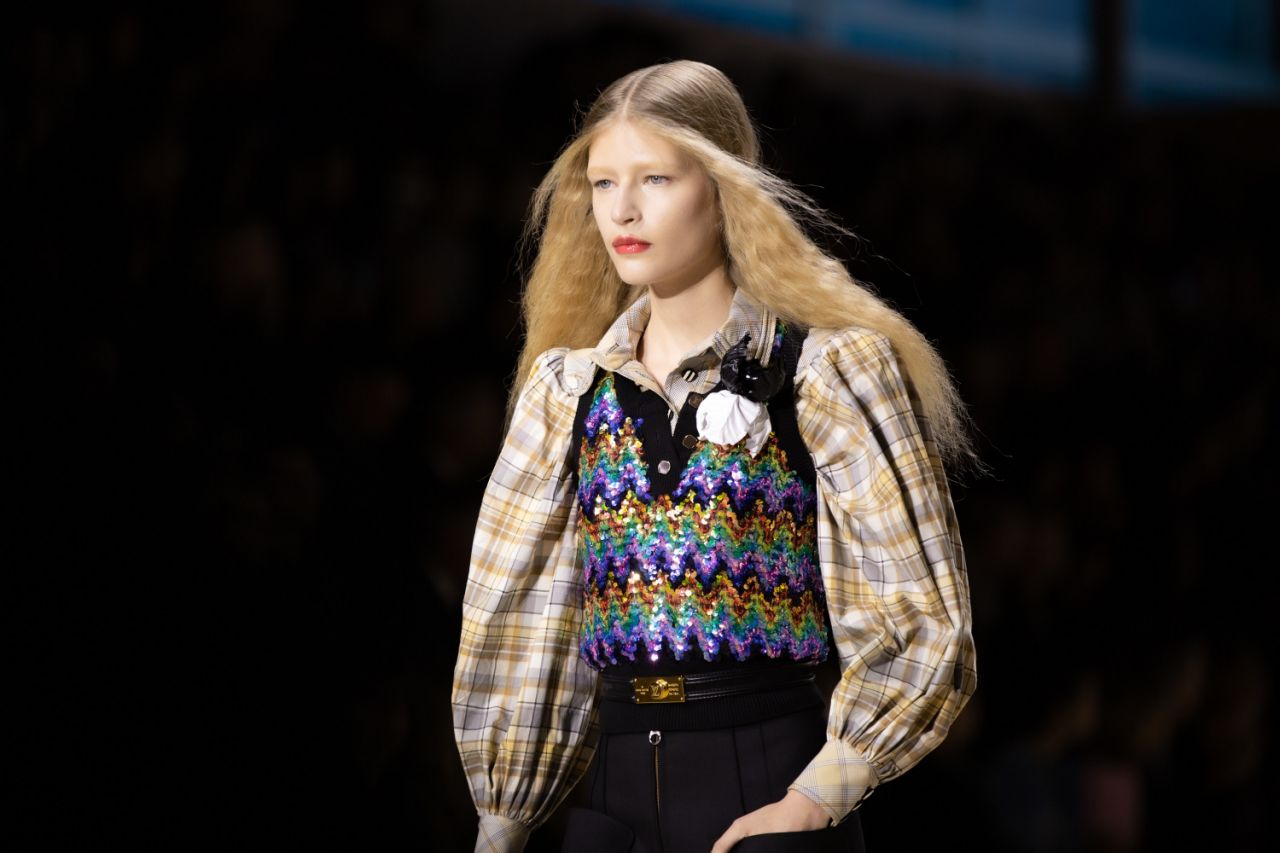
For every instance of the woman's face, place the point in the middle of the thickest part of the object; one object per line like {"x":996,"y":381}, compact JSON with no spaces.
{"x":655,"y":207}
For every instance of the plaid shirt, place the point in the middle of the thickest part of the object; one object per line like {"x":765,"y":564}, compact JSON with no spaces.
{"x":891,"y":559}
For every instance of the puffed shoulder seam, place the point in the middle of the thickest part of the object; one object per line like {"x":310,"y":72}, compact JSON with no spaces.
{"x":821,"y":341}
{"x":567,"y":371}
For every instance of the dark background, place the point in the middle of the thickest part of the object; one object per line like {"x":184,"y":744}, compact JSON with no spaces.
{"x":261,"y":278}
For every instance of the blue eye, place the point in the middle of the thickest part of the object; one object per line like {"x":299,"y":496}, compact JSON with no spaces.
{"x":604,"y":183}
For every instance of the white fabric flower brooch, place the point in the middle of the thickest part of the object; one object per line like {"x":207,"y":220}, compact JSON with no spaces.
{"x":726,"y":417}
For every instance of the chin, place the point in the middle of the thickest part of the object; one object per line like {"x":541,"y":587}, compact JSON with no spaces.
{"x":631,"y":278}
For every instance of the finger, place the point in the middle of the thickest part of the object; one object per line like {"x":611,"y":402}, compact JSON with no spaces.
{"x":725,"y":842}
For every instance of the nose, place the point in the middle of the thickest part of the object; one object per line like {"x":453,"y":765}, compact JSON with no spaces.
{"x":625,"y":209}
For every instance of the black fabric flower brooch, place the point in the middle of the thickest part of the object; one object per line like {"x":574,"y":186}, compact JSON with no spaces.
{"x":727,"y":417}
{"x":747,"y":376}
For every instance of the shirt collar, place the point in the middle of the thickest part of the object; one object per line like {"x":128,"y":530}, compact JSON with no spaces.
{"x":746,"y":316}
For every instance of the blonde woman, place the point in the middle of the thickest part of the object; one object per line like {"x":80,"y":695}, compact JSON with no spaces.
{"x":724,"y":464}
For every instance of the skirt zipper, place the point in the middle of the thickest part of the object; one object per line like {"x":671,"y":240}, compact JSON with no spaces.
{"x":655,"y":738}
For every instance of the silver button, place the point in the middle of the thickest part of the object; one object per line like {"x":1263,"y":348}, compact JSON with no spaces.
{"x":664,"y":466}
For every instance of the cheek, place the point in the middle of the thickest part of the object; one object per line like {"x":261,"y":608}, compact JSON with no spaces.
{"x":702,"y":215}
{"x":688,"y":218}
{"x":698,"y":228}
{"x":597,"y":216}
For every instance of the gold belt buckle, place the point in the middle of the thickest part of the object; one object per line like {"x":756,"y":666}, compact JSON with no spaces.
{"x":649,"y":689}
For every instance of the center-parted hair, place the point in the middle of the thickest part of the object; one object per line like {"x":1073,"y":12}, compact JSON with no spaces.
{"x":572,"y":292}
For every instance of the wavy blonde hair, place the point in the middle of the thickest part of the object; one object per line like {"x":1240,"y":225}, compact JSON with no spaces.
{"x":769,"y":254}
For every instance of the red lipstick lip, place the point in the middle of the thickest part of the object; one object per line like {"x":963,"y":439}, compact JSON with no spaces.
{"x":628,"y":245}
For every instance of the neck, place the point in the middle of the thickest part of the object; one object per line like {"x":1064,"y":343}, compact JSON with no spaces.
{"x":681,"y":320}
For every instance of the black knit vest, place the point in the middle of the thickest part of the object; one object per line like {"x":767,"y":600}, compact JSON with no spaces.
{"x":718,"y":549}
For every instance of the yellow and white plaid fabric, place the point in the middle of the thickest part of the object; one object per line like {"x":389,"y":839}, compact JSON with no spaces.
{"x":889,"y":545}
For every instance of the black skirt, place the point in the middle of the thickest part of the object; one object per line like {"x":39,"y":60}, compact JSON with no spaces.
{"x":677,"y":790}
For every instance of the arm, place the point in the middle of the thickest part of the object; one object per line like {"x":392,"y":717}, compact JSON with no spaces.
{"x":523,"y":703}
{"x":893,"y":567}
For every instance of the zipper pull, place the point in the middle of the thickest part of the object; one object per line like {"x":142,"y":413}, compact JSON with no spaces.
{"x":655,"y":738}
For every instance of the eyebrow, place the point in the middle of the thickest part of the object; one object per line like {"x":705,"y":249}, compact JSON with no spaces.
{"x":645,"y":165}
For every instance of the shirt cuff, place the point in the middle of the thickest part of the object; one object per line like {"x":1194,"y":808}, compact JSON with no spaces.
{"x":500,"y":834}
{"x":837,"y":779}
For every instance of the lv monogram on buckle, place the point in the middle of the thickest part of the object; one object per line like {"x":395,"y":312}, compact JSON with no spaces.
{"x":650,"y":689}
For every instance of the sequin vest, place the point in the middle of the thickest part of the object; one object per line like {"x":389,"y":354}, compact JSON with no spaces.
{"x":707,"y":561}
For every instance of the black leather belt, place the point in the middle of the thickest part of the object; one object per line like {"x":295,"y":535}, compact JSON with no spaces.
{"x":651,"y":689}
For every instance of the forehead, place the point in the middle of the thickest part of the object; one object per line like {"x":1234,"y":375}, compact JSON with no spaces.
{"x":624,"y":143}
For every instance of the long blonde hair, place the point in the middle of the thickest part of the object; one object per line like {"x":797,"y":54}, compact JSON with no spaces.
{"x":769,"y":255}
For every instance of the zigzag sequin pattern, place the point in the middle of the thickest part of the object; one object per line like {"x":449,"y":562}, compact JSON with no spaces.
{"x":727,"y":561}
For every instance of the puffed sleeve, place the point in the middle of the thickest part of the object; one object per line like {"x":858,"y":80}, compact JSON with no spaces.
{"x":893,"y":567}
{"x":524,"y":711}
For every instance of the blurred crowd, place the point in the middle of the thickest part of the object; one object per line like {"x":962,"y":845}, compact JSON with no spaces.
{"x":266,"y":258}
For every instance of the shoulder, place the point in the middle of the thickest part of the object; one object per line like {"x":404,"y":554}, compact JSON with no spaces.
{"x":563,"y":372}
{"x":844,"y":348}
